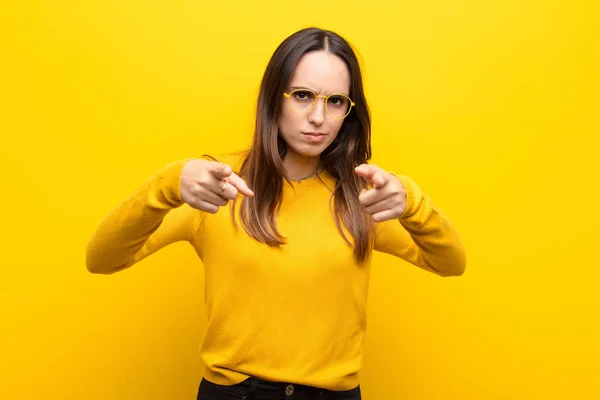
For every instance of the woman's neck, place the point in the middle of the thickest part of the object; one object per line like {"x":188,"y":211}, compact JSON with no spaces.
{"x":299,"y":167}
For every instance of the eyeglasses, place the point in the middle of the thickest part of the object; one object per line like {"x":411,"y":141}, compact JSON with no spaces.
{"x":303,"y":101}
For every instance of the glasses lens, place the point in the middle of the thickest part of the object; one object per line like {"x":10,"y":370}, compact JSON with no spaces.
{"x":338,"y":106}
{"x":302,"y":101}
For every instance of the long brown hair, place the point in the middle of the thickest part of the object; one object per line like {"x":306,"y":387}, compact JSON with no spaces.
{"x":351,"y":147}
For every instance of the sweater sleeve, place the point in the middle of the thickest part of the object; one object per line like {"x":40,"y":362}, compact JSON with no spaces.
{"x":422,"y":235}
{"x":149,"y":219}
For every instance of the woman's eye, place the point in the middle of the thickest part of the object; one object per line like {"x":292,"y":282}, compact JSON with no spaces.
{"x":336,"y":101}
{"x":302,"y":95}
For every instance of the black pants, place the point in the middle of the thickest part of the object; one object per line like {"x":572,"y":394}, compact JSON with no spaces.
{"x":256,"y":389}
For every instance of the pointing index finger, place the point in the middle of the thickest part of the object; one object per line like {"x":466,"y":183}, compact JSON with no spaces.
{"x":365,"y":170}
{"x":240,"y":185}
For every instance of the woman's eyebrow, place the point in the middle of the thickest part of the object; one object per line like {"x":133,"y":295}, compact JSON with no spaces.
{"x":302,"y":87}
{"x":313,"y":90}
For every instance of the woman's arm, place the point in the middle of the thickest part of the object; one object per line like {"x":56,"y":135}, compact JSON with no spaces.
{"x":150,"y":219}
{"x":422,"y":235}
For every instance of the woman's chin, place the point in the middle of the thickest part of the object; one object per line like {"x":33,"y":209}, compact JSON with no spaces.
{"x":309,"y":153}
{"x":309,"y":150}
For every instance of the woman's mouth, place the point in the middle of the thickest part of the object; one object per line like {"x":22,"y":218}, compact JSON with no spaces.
{"x":314,"y":136}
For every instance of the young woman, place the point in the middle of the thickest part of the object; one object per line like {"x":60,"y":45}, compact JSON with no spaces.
{"x":287,"y":262}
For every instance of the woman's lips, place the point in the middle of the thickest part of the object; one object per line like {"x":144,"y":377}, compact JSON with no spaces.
{"x":314,"y":136}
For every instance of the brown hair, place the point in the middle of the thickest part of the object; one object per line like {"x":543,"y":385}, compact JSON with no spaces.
{"x":351,"y":147}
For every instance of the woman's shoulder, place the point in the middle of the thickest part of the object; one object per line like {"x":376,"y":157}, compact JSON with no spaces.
{"x":234,"y":160}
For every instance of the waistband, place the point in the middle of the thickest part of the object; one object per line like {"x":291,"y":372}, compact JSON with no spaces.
{"x":261,"y":385}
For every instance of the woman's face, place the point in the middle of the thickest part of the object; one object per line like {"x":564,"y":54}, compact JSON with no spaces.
{"x":309,"y":134}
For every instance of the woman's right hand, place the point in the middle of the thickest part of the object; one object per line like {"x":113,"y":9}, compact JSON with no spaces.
{"x":208,"y":185}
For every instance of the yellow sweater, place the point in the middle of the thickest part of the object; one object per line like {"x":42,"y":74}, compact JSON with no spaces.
{"x":290,"y":314}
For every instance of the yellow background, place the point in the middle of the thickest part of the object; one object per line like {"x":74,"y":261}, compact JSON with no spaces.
{"x":491,"y":106}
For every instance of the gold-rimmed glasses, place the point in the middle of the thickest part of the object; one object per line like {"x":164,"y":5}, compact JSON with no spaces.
{"x":303,"y":101}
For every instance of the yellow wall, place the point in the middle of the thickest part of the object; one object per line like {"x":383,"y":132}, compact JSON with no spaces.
{"x":491,"y":106}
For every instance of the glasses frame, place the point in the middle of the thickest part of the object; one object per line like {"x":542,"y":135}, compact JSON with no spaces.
{"x":317,"y":96}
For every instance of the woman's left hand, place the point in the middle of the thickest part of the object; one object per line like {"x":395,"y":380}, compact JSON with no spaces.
{"x":387,"y":198}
